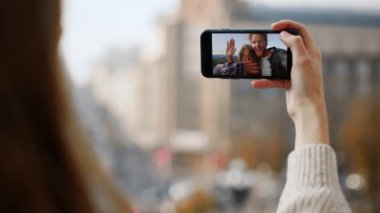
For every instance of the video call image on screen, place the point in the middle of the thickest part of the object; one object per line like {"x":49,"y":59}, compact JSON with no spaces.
{"x":249,"y":55}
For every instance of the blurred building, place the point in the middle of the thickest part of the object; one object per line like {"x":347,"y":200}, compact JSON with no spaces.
{"x":168,"y":104}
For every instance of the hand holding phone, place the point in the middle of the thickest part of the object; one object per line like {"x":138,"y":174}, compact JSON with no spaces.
{"x":304,"y":92}
{"x":251,"y":68}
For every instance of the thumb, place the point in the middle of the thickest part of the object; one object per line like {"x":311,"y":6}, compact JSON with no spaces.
{"x":294,"y":42}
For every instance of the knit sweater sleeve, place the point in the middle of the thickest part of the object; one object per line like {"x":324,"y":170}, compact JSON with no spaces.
{"x":312,"y":182}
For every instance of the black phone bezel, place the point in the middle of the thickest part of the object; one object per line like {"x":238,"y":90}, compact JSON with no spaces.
{"x":206,"y":52}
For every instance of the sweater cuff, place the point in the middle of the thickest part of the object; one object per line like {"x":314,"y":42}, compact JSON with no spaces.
{"x":312,"y":166}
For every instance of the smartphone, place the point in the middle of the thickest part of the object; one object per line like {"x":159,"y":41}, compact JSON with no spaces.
{"x":250,"y":54}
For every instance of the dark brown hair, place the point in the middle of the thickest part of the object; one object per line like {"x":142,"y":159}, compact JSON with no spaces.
{"x":264,"y":35}
{"x":250,"y":50}
{"x":40,"y":170}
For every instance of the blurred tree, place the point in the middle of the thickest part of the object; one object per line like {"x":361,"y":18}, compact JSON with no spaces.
{"x":361,"y":137}
{"x":248,"y":148}
{"x":275,"y":150}
{"x":199,"y":201}
{"x":255,"y":150}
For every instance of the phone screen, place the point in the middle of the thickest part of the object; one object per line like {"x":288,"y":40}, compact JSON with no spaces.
{"x":248,"y":54}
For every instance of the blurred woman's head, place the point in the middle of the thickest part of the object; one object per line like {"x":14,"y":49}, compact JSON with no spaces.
{"x":40,"y":170}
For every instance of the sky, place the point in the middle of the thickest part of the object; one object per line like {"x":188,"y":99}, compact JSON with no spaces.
{"x":370,"y":6}
{"x":91,"y":27}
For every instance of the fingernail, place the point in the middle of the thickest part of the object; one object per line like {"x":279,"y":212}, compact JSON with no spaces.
{"x":285,"y":34}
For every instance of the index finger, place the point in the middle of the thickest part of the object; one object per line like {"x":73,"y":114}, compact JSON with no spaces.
{"x":266,"y":83}
{"x":305,"y":34}
{"x":232,"y":42}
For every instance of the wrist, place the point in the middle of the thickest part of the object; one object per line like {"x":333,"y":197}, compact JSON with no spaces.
{"x":311,"y":124}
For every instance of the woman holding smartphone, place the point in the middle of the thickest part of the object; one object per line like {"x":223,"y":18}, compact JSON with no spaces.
{"x":47,"y":164}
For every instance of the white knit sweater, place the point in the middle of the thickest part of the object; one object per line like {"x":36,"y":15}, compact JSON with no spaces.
{"x":312,"y":182}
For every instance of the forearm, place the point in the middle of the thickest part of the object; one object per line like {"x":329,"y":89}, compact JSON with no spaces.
{"x":312,"y":183}
{"x":311,"y":124}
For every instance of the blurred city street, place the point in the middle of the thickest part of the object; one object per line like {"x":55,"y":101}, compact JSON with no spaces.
{"x":175,"y":141}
